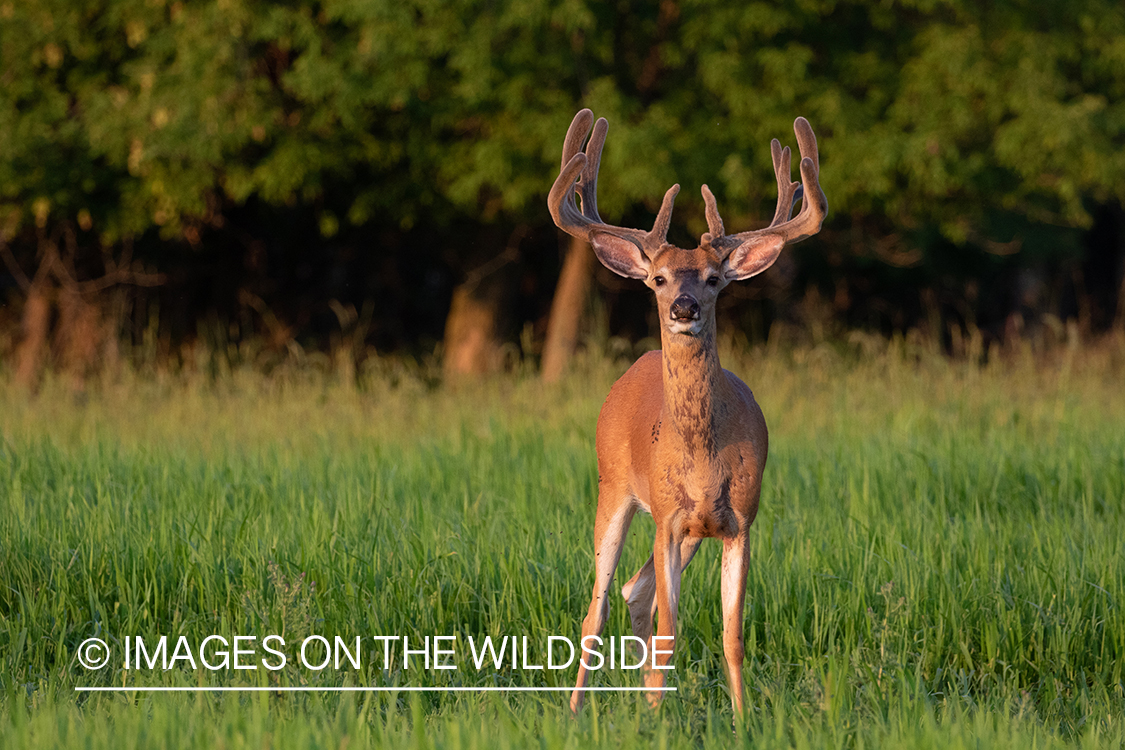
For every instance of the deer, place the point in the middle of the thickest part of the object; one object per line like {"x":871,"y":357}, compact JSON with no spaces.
{"x":678,"y":436}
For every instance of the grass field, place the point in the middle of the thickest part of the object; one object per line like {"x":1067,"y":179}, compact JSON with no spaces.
{"x":939,"y":556}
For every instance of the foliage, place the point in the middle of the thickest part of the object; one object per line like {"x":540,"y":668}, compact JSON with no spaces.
{"x":125,"y":115}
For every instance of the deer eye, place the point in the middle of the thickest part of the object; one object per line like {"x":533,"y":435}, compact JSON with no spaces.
{"x":659,"y":281}
{"x":713,"y":281}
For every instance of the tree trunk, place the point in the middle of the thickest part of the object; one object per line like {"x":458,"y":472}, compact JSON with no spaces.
{"x":567,"y":310}
{"x":473,"y":328}
{"x":471,"y":344}
{"x":78,"y":336}
{"x":32,"y":349}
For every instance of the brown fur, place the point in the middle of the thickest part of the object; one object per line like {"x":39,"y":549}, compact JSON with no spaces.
{"x":682,"y":439}
{"x":718,"y":460}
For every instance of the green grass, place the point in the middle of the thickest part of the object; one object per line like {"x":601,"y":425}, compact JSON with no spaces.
{"x":938,"y":556}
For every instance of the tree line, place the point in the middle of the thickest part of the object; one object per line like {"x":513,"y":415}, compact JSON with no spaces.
{"x":307,"y":173}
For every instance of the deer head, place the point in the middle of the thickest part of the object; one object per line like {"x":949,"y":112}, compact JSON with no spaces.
{"x":686,"y":282}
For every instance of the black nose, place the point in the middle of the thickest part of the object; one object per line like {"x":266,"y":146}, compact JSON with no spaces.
{"x":685,"y":308}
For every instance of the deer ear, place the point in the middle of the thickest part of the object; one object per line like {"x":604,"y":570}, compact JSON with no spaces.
{"x":620,"y":255}
{"x":753,"y":256}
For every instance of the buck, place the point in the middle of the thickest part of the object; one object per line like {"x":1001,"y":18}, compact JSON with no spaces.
{"x":679,"y":436}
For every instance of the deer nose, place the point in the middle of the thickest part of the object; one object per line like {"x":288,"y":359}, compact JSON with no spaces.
{"x":685,"y":308}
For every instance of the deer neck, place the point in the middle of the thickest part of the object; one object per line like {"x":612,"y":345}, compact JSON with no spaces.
{"x":693,"y":381}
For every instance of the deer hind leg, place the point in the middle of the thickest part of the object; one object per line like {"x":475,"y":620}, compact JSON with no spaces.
{"x":736,"y":564}
{"x":610,"y":528}
{"x":640,"y":591}
{"x":667,"y":568}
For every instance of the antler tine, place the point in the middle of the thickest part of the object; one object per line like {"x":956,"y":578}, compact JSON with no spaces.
{"x":714,"y":221}
{"x":659,"y":234}
{"x":806,"y":141}
{"x":579,"y":175}
{"x":575,"y":134}
{"x":588,"y":186}
{"x":787,"y":191}
{"x":561,"y":202}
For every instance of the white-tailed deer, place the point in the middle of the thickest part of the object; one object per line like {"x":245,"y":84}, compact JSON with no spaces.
{"x":679,"y":436}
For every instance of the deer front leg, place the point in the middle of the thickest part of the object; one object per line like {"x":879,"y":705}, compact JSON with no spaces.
{"x":736,"y":564}
{"x":667,"y":570}
{"x":640,"y":591}
{"x":610,"y":528}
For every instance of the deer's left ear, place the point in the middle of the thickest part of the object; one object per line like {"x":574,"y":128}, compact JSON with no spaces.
{"x":752,"y":257}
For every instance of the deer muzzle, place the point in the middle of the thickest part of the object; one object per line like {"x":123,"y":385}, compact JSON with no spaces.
{"x":685,"y":307}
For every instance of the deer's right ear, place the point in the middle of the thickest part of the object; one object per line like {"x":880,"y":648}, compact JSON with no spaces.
{"x":620,"y":255}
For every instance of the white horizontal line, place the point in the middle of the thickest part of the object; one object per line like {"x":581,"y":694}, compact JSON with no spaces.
{"x":364,"y":689}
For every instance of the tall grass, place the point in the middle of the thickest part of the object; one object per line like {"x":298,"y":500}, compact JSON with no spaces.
{"x":938,"y":556}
